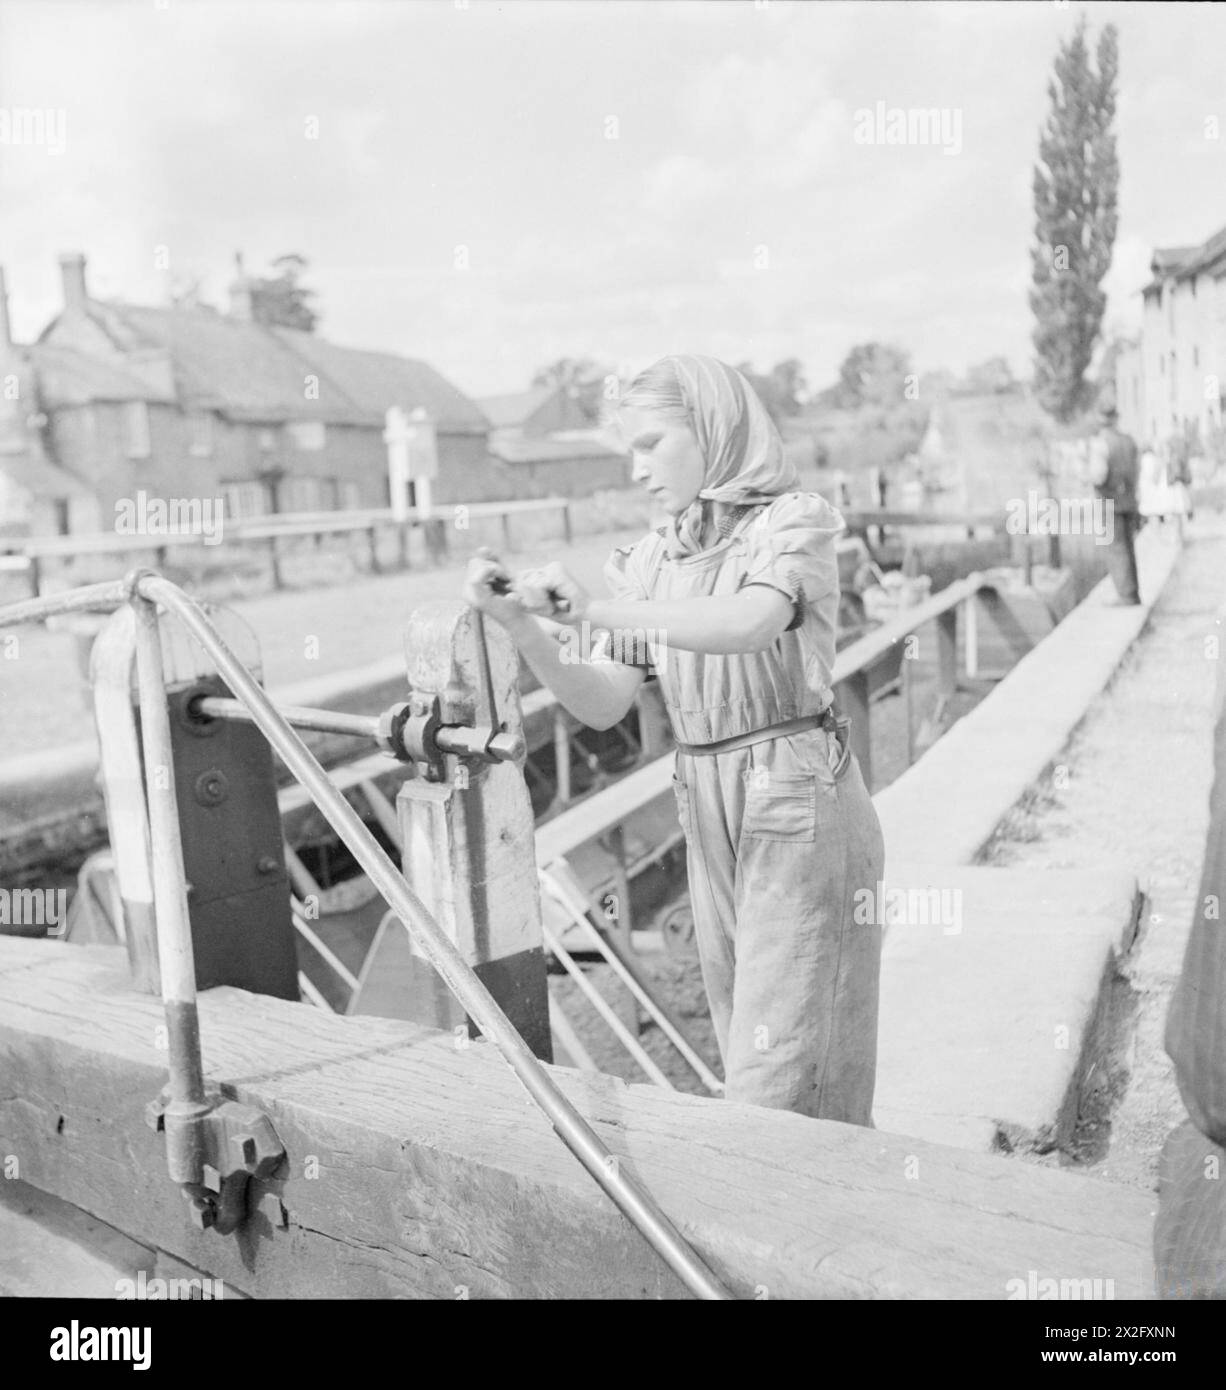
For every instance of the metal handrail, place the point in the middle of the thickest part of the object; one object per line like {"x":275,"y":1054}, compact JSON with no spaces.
{"x":555,"y":879}
{"x":145,"y":589}
{"x":866,"y":651}
{"x":503,"y":747}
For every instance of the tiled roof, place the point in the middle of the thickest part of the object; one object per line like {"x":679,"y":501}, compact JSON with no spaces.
{"x":1171,"y":257}
{"x":517,"y":407}
{"x":529,"y":449}
{"x":247,"y":371}
{"x":67,"y":376}
{"x":1213,"y":251}
{"x":41,"y":477}
{"x":240,"y":369}
{"x":1182,"y":262}
{"x":376,"y":380}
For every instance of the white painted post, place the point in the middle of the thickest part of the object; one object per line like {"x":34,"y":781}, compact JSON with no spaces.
{"x":423,"y":459}
{"x":425,"y":503}
{"x":396,"y":437}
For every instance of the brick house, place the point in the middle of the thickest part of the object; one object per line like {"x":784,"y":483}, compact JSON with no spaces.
{"x":1174,"y":378}
{"x":36,"y":497}
{"x":188,"y":401}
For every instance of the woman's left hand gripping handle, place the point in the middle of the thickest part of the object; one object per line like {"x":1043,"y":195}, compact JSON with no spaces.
{"x":553,"y":592}
{"x":487,"y":586}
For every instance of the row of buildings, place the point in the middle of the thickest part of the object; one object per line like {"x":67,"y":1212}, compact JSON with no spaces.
{"x":187,"y":401}
{"x":1172,"y":380}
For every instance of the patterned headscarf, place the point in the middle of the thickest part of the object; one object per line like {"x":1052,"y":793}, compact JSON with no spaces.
{"x":745,"y":461}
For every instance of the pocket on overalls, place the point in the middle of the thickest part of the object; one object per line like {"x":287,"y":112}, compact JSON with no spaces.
{"x":840,"y":749}
{"x":821,"y":753}
{"x":780,"y":807}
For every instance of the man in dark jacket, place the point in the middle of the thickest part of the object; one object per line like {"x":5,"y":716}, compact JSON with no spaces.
{"x":1114,"y":474}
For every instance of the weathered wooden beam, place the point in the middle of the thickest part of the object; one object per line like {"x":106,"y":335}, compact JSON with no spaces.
{"x":418,"y":1168}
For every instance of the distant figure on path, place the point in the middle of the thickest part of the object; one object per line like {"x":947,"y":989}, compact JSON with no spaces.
{"x":1149,"y":471}
{"x":1113,"y":471}
{"x":1179,"y":479}
{"x":1161,"y":493}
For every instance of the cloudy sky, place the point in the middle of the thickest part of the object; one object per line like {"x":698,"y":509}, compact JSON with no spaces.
{"x":489,"y":185}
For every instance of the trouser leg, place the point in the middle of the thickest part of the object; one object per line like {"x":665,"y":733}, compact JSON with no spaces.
{"x":711,"y":871}
{"x":1122,"y":556}
{"x":1131,"y":573}
{"x":803,"y":1034}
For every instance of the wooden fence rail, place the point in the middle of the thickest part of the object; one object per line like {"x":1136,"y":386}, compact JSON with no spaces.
{"x":30,"y":556}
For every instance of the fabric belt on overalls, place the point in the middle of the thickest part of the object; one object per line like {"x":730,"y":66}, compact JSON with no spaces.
{"x":828,"y":719}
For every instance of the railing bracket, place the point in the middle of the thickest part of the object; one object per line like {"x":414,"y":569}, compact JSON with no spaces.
{"x":217,"y":1152}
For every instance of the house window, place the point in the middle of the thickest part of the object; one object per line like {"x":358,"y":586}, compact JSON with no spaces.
{"x":200,"y":434}
{"x":306,"y":435}
{"x":136,"y":429}
{"x":244,"y":499}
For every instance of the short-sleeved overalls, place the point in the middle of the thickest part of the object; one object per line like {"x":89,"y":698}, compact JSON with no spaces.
{"x":781,"y":835}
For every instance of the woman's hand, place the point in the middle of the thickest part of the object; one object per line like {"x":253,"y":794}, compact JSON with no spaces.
{"x":487,"y":586}
{"x":553,"y":592}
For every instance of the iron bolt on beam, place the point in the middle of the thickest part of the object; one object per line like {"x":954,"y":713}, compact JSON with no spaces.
{"x":235,"y":1143}
{"x":272,"y":1209}
{"x":201,"y":1212}
{"x":212,"y":787}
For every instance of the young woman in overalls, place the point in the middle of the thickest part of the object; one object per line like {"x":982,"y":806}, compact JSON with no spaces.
{"x":741,"y":588}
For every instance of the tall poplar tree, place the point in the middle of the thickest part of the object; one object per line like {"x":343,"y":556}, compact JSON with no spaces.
{"x":1076,"y":183}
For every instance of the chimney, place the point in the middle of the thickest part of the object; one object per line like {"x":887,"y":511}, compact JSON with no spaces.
{"x":72,"y":274}
{"x":240,"y":292}
{"x":6,"y":332}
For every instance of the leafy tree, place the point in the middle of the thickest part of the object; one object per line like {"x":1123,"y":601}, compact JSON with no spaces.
{"x":565,"y":371}
{"x":582,"y":376}
{"x":1076,"y":181}
{"x":937,"y":383}
{"x":992,"y":375}
{"x":187,"y":290}
{"x":780,"y":390}
{"x":279,"y":300}
{"x":1115,"y":343}
{"x":874,"y":374}
{"x":790,"y":384}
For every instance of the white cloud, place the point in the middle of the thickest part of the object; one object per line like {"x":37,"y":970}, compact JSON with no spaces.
{"x":483,"y":127}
